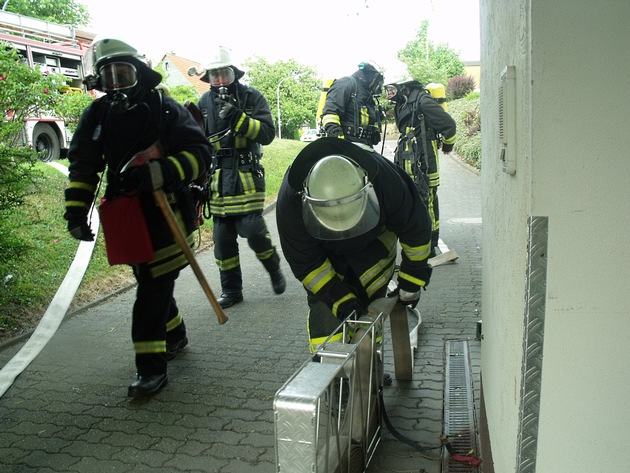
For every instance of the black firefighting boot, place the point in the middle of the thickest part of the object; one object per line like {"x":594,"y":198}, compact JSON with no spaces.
{"x":272,"y":265}
{"x":172,"y":349}
{"x":229,"y":299}
{"x":232,"y":287}
{"x":147,"y":385}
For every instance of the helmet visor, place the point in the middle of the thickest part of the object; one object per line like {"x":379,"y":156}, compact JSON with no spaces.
{"x":340,"y":219}
{"x":221,"y":77}
{"x":116,"y":76}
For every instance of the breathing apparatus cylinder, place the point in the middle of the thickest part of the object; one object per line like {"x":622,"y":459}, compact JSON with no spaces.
{"x":438,"y":92}
{"x":322,"y":101}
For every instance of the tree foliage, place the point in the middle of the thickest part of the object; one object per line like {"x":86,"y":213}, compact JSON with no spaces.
{"x":428,"y":62}
{"x":297,"y":86}
{"x":65,"y":12}
{"x":24,"y":92}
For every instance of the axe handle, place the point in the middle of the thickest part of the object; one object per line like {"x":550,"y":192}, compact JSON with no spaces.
{"x":160,"y":198}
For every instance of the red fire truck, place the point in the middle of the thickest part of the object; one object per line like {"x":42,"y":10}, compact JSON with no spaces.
{"x":52,"y":48}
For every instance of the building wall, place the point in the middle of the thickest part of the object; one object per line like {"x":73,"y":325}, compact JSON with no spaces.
{"x":555,"y":316}
{"x":473,"y":69}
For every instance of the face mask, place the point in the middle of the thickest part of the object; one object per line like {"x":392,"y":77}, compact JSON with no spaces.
{"x":221,"y":77}
{"x":118,"y":76}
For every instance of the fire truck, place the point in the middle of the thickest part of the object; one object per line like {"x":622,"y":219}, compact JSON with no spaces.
{"x":51,"y":48}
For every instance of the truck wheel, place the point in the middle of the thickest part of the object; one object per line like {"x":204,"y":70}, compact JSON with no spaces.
{"x":46,"y":142}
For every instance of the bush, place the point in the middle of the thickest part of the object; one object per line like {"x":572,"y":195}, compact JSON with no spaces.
{"x":459,"y":86}
{"x":24,"y":92}
{"x":467,"y":116}
{"x":473,"y":96}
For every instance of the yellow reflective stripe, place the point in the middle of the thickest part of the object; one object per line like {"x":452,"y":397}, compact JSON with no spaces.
{"x":338,"y":302}
{"x":253,"y":128}
{"x":247,"y":178}
{"x":435,"y":222}
{"x":194,"y":163}
{"x":170,"y":258}
{"x":407,"y":167}
{"x":169,"y":266}
{"x":78,"y":203}
{"x":449,"y":141}
{"x":230,"y":263}
{"x":237,"y":204}
{"x":379,"y":275}
{"x":317,"y":278}
{"x":316,"y":342}
{"x":364,"y":119}
{"x":174,"y":322}
{"x":389,"y":241}
{"x":239,"y":122}
{"x":180,"y":171}
{"x":411,"y":279}
{"x":417,"y":253}
{"x":264,"y":255}
{"x":331,"y":118}
{"x":154,"y":346}
{"x":82,"y":186}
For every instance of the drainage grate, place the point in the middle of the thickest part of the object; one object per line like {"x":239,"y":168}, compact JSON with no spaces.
{"x":459,"y":418}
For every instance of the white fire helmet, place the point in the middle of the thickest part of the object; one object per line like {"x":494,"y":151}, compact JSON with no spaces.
{"x":221,"y":71}
{"x":338,"y":201}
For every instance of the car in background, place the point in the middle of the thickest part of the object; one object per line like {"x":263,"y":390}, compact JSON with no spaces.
{"x":309,"y":135}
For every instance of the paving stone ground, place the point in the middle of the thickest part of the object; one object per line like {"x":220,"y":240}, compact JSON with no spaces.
{"x":69,"y":410}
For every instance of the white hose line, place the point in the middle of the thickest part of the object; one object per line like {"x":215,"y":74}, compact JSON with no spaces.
{"x":55,"y":313}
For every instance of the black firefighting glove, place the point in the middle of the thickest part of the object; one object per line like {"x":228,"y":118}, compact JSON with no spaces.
{"x":153,"y":175}
{"x":229,"y":111}
{"x":351,"y":307}
{"x":79,"y":229}
{"x":446,"y":148}
{"x":376,"y":138}
{"x":334,"y":130}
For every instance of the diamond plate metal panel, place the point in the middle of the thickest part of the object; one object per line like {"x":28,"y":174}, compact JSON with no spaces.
{"x":533,"y":342}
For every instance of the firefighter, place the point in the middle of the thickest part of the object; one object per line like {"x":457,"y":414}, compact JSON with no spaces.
{"x":350,"y":110}
{"x":113,"y":133}
{"x":424,"y":127}
{"x":339,"y":224}
{"x":238,"y":122}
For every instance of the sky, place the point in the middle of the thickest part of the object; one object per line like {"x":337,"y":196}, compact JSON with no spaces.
{"x":332,"y":38}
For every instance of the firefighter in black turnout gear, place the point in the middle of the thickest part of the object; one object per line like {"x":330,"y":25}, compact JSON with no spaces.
{"x":116,"y":134}
{"x":238,"y":123}
{"x":424,"y":127}
{"x":350,"y":110}
{"x":341,"y":210}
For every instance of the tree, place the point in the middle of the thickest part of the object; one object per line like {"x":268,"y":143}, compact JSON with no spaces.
{"x":24,"y":91}
{"x":298,"y":92}
{"x":430,"y":63}
{"x":70,"y":105}
{"x":65,"y":12}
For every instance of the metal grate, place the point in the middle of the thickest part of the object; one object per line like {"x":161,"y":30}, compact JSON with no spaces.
{"x":459,"y":418}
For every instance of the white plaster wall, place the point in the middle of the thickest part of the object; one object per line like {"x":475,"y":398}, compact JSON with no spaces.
{"x":573,"y":88}
{"x":505,"y":207}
